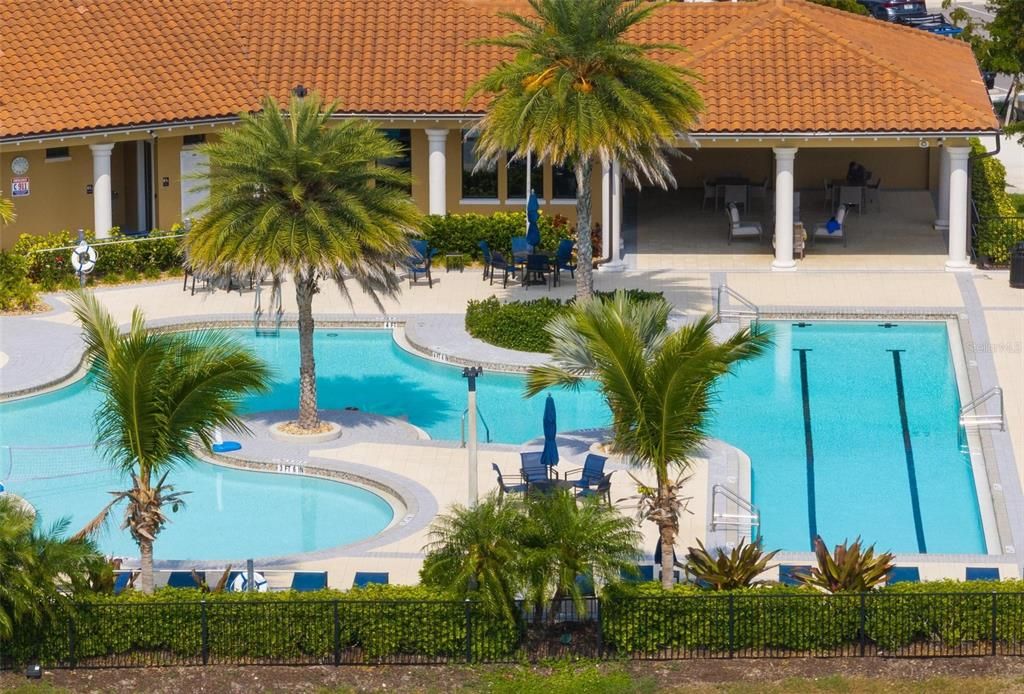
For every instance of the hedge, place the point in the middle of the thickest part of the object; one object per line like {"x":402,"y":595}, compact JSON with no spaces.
{"x":520,"y":325}
{"x":461,"y":233}
{"x":17,"y":293}
{"x":997,"y":235}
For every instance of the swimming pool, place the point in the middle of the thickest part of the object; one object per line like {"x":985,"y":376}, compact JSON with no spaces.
{"x":838,"y":462}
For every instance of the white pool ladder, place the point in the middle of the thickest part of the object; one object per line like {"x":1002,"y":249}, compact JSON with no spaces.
{"x":730,"y":511}
{"x":276,"y":310}
{"x":972,"y":417}
{"x":746,"y":310}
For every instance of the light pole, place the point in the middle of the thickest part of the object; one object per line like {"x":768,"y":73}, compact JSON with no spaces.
{"x":470,"y":373}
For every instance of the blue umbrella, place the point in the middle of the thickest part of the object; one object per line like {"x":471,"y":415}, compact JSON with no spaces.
{"x":550,"y":454}
{"x":532,"y":215}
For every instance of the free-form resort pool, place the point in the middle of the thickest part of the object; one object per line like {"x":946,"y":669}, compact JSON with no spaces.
{"x":852,"y":429}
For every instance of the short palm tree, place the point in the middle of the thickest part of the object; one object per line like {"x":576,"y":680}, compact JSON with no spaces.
{"x":292,"y":193}
{"x":161,"y":393}
{"x":40,"y":570}
{"x":578,"y":92}
{"x":660,"y":386}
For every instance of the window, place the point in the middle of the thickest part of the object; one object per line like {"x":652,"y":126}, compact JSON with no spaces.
{"x":189,"y":140}
{"x":57,"y":153}
{"x":479,"y":183}
{"x":404,"y":140}
{"x":517,"y":178}
{"x":563,"y":183}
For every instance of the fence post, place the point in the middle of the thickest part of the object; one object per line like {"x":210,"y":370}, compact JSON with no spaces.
{"x":469,"y":630}
{"x":204,"y":632}
{"x":862,"y":629}
{"x":732,"y":624}
{"x":994,"y":603}
{"x":337,"y":635}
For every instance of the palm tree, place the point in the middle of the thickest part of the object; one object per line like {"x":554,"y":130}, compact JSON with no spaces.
{"x":660,"y":387}
{"x":472,"y":552}
{"x":578,"y":92}
{"x":7,"y":214}
{"x":162,"y":392}
{"x":40,"y":570}
{"x":291,"y":193}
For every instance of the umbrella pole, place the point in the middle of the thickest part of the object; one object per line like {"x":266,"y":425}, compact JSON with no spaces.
{"x":529,"y":191}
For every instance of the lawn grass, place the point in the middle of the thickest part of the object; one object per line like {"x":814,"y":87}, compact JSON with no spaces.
{"x":1018,"y":201}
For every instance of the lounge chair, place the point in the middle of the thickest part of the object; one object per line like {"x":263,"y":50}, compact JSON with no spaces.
{"x":505,"y":488}
{"x":186,"y":579}
{"x":822,"y":231}
{"x":602,"y":490}
{"x":591,"y":472}
{"x":740,"y":229}
{"x":306,"y":581}
{"x":977,"y":573}
{"x":419,"y":262}
{"x":788,"y":572}
{"x":904,"y":574}
{"x":852,"y":196}
{"x":644,"y":573}
{"x":365,"y":578}
{"x":563,"y":260}
{"x":498,"y":262}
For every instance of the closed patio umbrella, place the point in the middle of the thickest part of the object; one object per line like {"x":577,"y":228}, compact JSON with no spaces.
{"x":532,"y":215}
{"x":550,"y":454}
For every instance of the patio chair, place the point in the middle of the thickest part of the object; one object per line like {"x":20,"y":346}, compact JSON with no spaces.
{"x":485,"y":249}
{"x":603,"y":490}
{"x":365,"y":578}
{"x":532,"y":470}
{"x":873,"y":194}
{"x":591,"y":472}
{"x":710,"y":193}
{"x":123,"y":580}
{"x":537,"y":267}
{"x":520,"y":249}
{"x":644,"y":574}
{"x":498,"y":262}
{"x":739,"y":229}
{"x":563,"y":259}
{"x":419,"y":262}
{"x":505,"y":488}
{"x":852,"y":196}
{"x":821,"y":229}
{"x":306,"y":581}
{"x":904,"y":574}
{"x":736,"y":195}
{"x":186,"y":579}
{"x":788,"y":572}
{"x":978,"y":573}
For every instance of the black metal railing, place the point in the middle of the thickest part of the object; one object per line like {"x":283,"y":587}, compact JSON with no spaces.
{"x":995,"y":237}
{"x":750,"y":624}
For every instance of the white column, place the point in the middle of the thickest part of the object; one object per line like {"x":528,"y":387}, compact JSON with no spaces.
{"x":102,"y":206}
{"x":437,"y":142}
{"x":606,"y":208}
{"x":784,"y":158}
{"x":942,"y":207}
{"x":615,"y":263}
{"x":958,"y":259}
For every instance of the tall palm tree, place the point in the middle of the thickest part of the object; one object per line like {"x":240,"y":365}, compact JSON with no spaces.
{"x":660,"y":386}
{"x":578,"y":92}
{"x":40,"y":570}
{"x":161,"y":393}
{"x":292,"y":193}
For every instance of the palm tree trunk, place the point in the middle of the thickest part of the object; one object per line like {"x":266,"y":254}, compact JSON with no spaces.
{"x":584,"y":248}
{"x":667,"y":529}
{"x":305,"y":288}
{"x":146,"y":566}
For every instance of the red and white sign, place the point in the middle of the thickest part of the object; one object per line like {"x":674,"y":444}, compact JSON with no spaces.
{"x":19,"y":186}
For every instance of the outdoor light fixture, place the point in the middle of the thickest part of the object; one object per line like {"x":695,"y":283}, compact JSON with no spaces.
{"x":470,"y":373}
{"x":34,"y":671}
{"x":299,"y":91}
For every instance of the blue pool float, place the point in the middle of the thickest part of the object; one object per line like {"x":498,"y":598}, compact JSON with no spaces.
{"x":226,"y":447}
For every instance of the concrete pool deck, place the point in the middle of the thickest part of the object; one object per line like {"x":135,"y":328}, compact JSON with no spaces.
{"x":45,"y":347}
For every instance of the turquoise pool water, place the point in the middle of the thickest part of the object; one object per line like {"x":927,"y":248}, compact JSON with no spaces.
{"x":859,"y":460}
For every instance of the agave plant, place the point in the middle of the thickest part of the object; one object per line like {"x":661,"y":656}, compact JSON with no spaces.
{"x":848,"y":568}
{"x":727,"y":571}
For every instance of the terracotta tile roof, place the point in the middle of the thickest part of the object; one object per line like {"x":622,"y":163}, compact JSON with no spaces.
{"x":772,"y":66}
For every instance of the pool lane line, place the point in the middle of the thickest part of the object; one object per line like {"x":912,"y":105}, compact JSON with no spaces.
{"x":908,"y":449}
{"x":805,"y":393}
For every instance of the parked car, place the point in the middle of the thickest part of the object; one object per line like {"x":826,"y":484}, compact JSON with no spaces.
{"x":890,"y":11}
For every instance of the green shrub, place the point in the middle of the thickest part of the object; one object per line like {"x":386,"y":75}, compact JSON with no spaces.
{"x":16,"y":291}
{"x":996,"y":235}
{"x":460,"y":233}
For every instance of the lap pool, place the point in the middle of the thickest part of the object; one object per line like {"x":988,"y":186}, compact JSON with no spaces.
{"x":832,"y":450}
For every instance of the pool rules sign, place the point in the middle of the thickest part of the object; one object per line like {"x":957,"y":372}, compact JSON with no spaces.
{"x":19,"y":186}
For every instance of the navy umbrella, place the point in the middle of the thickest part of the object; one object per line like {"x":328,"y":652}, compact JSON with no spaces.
{"x":550,"y":454}
{"x":532,"y":215}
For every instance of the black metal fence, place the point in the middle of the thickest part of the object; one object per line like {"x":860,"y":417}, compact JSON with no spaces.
{"x":996,"y":237}
{"x":344,"y":632}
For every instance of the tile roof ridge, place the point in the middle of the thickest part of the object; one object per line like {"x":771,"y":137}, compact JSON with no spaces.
{"x":795,"y":9}
{"x":758,"y":13}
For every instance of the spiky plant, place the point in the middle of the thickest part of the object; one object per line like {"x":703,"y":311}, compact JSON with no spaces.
{"x":292,"y":193}
{"x":738,"y":568}
{"x":7,"y":214}
{"x":161,"y":392}
{"x":578,"y":92}
{"x":849,"y":568}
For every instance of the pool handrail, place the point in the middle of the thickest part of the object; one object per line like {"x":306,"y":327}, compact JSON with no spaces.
{"x":462,"y":426}
{"x":749,"y":310}
{"x":969,"y":415}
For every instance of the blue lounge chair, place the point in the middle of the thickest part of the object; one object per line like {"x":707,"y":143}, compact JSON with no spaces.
{"x":305,"y":581}
{"x":365,"y":578}
{"x":185,"y":579}
{"x":644,"y":572}
{"x":563,"y":259}
{"x":121,"y":581}
{"x":503,"y":487}
{"x":419,"y":262}
{"x":591,"y":472}
{"x":788,"y":572}
{"x":977,"y":573}
{"x":904,"y":574}
{"x":603,"y":490}
{"x":533,"y":471}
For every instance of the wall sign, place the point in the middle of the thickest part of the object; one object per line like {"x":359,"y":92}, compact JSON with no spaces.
{"x":19,"y":187}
